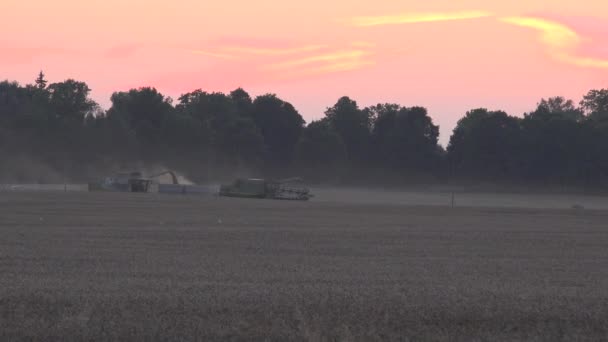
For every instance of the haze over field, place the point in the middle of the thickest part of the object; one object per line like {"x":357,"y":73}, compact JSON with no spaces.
{"x":447,"y":56}
{"x":279,"y":170}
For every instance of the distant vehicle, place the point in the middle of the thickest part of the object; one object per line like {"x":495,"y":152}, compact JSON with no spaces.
{"x":270,"y":189}
{"x":130,"y":182}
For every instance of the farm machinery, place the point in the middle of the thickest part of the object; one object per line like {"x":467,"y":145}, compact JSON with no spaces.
{"x":284,"y":189}
{"x":131,"y":182}
{"x":270,"y":189}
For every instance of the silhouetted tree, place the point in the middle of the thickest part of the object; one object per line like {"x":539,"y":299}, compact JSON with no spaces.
{"x":404,"y":138}
{"x":13,"y":101}
{"x":242,"y":141}
{"x":558,"y":107}
{"x":242,"y":101}
{"x":41,"y":81}
{"x":212,"y":110}
{"x":70,"y":101}
{"x":553,"y":140}
{"x":184,"y":133}
{"x":55,"y":123}
{"x":280,"y":125}
{"x":486,"y":144}
{"x":209,"y":108}
{"x":353,"y":125}
{"x":595,"y":103}
{"x":226,"y":124}
{"x":145,"y":111}
{"x":320,"y":145}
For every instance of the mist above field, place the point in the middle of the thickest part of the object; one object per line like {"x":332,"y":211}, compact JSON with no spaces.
{"x":56,"y":132}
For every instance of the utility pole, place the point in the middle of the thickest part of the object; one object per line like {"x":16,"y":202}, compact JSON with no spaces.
{"x":208,"y":151}
{"x":65,"y":176}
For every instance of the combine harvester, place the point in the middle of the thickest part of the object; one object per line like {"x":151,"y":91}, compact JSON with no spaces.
{"x":245,"y":188}
{"x":136,"y":182}
{"x":270,"y":189}
{"x":125,"y":182}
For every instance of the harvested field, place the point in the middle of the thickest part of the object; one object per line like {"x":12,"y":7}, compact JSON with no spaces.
{"x":143,"y":267}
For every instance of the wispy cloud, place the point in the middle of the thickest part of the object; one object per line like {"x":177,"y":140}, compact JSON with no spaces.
{"x":553,"y":34}
{"x":215,"y":54}
{"x":564,"y":42}
{"x":290,"y":61}
{"x":585,"y":61}
{"x":327,"y":62}
{"x":412,"y":18}
{"x":238,"y":52}
{"x":334,"y":56}
{"x":339,"y":66}
{"x":363,"y":44}
{"x":561,"y":40}
{"x":260,"y":51}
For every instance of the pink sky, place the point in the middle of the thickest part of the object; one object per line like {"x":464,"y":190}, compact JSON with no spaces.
{"x":445,"y":55}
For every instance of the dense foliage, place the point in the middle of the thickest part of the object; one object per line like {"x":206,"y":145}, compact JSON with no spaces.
{"x":58,"y":124}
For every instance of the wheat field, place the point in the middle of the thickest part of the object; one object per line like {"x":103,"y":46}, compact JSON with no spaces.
{"x":143,"y":267}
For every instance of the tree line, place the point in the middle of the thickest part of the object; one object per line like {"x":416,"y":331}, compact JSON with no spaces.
{"x":58,"y":124}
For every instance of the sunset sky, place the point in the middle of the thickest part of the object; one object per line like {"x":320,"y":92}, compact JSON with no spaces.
{"x":449,"y":56}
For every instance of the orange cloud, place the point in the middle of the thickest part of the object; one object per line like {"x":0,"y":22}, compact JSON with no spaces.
{"x":283,"y":62}
{"x":328,"y":62}
{"x":585,"y":61}
{"x":411,"y":18}
{"x":273,"y":51}
{"x":341,"y":66}
{"x":363,"y":44}
{"x":561,"y":40}
{"x":336,"y":56}
{"x":237,"y":52}
{"x":553,"y":33}
{"x":214,"y":54}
